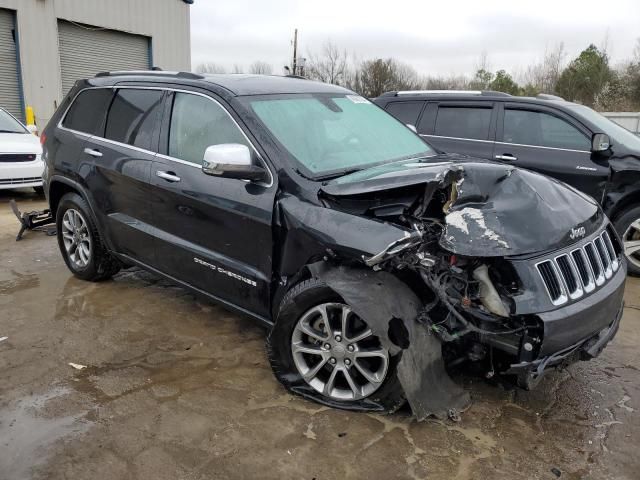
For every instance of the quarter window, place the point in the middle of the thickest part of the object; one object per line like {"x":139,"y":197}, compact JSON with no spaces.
{"x":542,"y":129}
{"x":133,"y":116}
{"x":406,"y":112}
{"x":197,"y":123}
{"x":463,"y":122}
{"x":87,"y":111}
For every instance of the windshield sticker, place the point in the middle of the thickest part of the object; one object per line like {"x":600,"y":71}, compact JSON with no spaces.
{"x":357,"y":99}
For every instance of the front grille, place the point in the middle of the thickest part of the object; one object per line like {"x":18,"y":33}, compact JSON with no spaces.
{"x":571,"y":275}
{"x":18,"y":181}
{"x":17,"y":157}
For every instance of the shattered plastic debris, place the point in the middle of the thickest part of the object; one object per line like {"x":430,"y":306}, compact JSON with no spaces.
{"x":2,"y":339}
{"x":77,"y":366}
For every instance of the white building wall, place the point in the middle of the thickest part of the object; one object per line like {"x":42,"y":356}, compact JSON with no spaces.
{"x":628,"y":120}
{"x":165,"y":21}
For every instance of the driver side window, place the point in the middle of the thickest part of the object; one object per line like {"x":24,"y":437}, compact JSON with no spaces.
{"x":198,"y":122}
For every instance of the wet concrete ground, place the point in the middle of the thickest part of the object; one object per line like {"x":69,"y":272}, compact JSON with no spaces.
{"x":179,"y":388}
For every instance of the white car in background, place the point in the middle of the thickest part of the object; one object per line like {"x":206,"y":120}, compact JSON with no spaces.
{"x":20,"y":155}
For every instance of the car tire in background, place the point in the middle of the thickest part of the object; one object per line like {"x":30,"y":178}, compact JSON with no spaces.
{"x":79,"y":240}
{"x":39,"y":190}
{"x":628,"y":227}
{"x":306,"y":351}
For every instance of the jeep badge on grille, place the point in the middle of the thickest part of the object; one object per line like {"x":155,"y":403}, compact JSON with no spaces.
{"x":577,"y":233}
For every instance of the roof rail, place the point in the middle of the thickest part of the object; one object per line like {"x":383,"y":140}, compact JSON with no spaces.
{"x":446,"y":92}
{"x":158,"y":73}
{"x":548,"y":96}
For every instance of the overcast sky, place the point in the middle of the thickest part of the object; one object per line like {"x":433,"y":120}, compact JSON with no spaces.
{"x":437,"y":38}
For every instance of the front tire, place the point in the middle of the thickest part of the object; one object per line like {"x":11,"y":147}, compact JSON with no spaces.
{"x":628,"y":227}
{"x":79,"y":240}
{"x":320,"y":349}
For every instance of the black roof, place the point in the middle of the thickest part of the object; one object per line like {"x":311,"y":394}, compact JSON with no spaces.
{"x":238,"y":83}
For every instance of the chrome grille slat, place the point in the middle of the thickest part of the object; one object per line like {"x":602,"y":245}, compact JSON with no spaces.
{"x":569,"y":276}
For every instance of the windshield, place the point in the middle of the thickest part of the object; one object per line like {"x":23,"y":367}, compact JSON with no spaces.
{"x":334,"y":134}
{"x":617,"y":133}
{"x":8,"y":124}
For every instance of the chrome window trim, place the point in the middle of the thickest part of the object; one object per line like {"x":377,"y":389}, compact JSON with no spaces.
{"x":166,"y":157}
{"x":456,"y":138}
{"x":547,"y":148}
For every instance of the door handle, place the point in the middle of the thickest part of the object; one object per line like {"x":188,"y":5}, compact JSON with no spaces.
{"x":92,"y":152}
{"x":168,"y":176}
{"x":507,"y":156}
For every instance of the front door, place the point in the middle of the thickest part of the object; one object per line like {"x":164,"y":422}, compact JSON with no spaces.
{"x":547,"y":141}
{"x":213,"y":233}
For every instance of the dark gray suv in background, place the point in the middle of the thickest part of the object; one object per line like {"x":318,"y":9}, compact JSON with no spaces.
{"x":373,"y":260}
{"x":546,"y":134}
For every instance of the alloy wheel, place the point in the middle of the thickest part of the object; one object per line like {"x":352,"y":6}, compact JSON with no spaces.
{"x":76,"y":238}
{"x":337,"y":354}
{"x":631,"y":243}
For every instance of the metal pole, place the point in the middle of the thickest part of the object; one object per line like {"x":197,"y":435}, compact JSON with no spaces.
{"x":295,"y":51}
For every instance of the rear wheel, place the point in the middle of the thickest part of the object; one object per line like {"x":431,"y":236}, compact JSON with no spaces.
{"x":80,"y":243}
{"x":628,"y":226}
{"x":321,"y":349}
{"x":39,"y":190}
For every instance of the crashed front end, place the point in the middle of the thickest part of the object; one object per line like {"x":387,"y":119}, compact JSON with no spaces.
{"x":494,"y":264}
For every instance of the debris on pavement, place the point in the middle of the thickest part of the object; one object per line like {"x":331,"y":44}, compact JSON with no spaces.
{"x":34,"y":220}
{"x":77,"y":366}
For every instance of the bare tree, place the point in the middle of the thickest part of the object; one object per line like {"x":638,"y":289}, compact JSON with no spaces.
{"x":262,"y":68}
{"x":374,"y":77}
{"x":543,"y":76}
{"x":329,"y":66}
{"x":210,"y":67}
{"x":237,"y":68}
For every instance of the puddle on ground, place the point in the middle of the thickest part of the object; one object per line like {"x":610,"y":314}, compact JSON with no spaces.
{"x":19,"y":283}
{"x":26,"y":432}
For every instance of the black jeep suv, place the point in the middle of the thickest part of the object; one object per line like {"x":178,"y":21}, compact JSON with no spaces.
{"x":374,"y":260}
{"x":565,"y":140}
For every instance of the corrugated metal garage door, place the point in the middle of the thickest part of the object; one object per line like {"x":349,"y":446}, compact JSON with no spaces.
{"x":85,"y":51}
{"x":9,"y":85}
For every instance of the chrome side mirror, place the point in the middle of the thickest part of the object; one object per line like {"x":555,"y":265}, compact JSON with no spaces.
{"x":600,"y":142}
{"x":232,"y":160}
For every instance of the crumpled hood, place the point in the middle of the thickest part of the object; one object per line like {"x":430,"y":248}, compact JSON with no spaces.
{"x":497,"y":210}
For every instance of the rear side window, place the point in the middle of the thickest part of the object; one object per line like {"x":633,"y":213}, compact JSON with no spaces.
{"x":133,"y":117}
{"x":463,"y":122}
{"x":542,"y":129}
{"x":87,"y":111}
{"x":406,"y":112}
{"x":198,"y":123}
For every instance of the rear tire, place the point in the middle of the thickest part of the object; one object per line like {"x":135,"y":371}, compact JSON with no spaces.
{"x":628,"y":227}
{"x":79,"y":240}
{"x":387,"y":396}
{"x":39,"y":190}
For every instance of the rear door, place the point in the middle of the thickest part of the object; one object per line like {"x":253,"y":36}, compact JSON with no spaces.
{"x":407,"y":112}
{"x":213,"y":233}
{"x":118,"y":165}
{"x":460,"y":127}
{"x":550,"y":142}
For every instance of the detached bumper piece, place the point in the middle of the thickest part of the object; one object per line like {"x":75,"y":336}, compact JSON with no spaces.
{"x":529,"y":374}
{"x":34,"y":220}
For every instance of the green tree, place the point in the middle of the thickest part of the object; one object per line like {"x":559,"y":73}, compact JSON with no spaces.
{"x":503,"y":82}
{"x":586,"y":76}
{"x":481,"y":80}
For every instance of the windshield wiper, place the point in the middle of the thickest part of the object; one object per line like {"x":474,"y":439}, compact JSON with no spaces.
{"x":339,"y":173}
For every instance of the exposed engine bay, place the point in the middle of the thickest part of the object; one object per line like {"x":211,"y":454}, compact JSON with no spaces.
{"x":454,"y":286}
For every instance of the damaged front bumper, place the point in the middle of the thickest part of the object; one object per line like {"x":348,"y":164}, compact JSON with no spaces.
{"x":577,"y":332}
